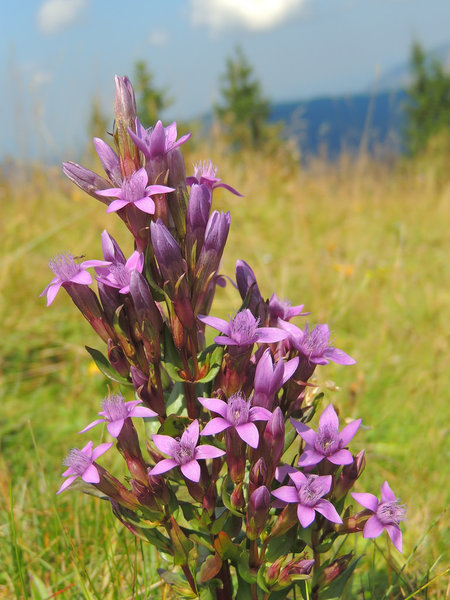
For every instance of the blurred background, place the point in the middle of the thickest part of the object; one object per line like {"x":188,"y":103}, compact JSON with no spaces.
{"x":333,"y":120}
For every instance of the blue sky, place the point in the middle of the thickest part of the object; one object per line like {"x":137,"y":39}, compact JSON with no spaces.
{"x":58,"y":54}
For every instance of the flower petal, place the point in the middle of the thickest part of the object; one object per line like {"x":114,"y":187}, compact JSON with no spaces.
{"x":305,"y":432}
{"x":367,"y":500}
{"x":191,"y":433}
{"x":373,"y":527}
{"x":66,"y":483}
{"x":116,"y":205}
{"x":349,"y":431}
{"x":115,"y":427}
{"x":91,"y":425}
{"x":395,"y":534}
{"x":101,"y":449}
{"x":207,"y":451}
{"x":224,"y":340}
{"x":91,"y":475}
{"x":215,"y":426}
{"x":142,"y":411}
{"x":163,"y":466}
{"x":146,"y":205}
{"x":191,"y":470}
{"x":387,"y":495}
{"x":287,"y":493}
{"x":339,"y":356}
{"x":328,"y":511}
{"x":248,"y":432}
{"x":52,"y":291}
{"x":270,"y":335}
{"x":306,"y":515}
{"x":298,"y":478}
{"x":216,"y":323}
{"x":165,"y":443}
{"x":329,"y":418}
{"x":214,"y":405}
{"x":341,"y":457}
{"x":82,"y":277}
{"x":258,"y":413}
{"x":309,"y":458}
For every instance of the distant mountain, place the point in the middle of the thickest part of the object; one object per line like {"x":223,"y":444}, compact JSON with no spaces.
{"x":363,"y":122}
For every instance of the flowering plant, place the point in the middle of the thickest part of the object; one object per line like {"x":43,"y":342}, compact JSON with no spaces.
{"x":255,"y":512}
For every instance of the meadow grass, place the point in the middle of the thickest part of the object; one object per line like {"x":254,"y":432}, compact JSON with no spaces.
{"x":363,"y":245}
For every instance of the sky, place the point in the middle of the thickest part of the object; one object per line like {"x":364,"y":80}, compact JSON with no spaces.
{"x":57,"y":55}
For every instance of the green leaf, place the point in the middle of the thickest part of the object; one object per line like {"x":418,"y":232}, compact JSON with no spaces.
{"x":173,"y":371}
{"x":281,"y":545}
{"x":176,"y":404}
{"x":174,"y":426}
{"x":105,"y":367}
{"x":213,"y":360}
{"x":227,"y":488}
{"x":219,"y":523}
{"x":244,"y":571}
{"x":226,"y":549}
{"x":178,"y":583}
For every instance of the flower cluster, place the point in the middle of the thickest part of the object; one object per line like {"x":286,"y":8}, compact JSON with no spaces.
{"x":260,"y":505}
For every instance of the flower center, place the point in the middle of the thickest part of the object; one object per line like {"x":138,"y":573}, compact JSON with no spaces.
{"x":311,"y":492}
{"x":316,"y":342}
{"x":327,"y":440}
{"x":64,"y":266}
{"x":243,"y":328}
{"x":391,"y":512}
{"x":132,"y":189}
{"x":205,"y":169}
{"x":121,"y":274}
{"x":278,"y":308}
{"x":237,"y":409}
{"x":78,"y":461}
{"x":114,"y":407}
{"x":185,"y":452}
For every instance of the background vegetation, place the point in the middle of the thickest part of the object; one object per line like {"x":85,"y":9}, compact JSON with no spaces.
{"x":363,"y":244}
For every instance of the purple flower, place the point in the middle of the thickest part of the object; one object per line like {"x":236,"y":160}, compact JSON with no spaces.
{"x":135,"y":191}
{"x":116,"y":410}
{"x":269,"y":378}
{"x":237,"y":413}
{"x":184,"y":453}
{"x":282,"y":309}
{"x":243,"y":330}
{"x":205,"y":173}
{"x":314,"y":344}
{"x":327,"y":442}
{"x":66,"y":270}
{"x":118,"y":273}
{"x":387,"y":514}
{"x":307,"y":492}
{"x":81,"y":464}
{"x":158,"y":140}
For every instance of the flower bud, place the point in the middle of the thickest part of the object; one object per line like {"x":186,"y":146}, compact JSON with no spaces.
{"x":216,"y":234}
{"x":86,"y":180}
{"x":125,"y":117}
{"x":258,"y":475}
{"x":293,"y":568}
{"x":167,"y":252}
{"x":237,"y":497}
{"x":333,"y":571}
{"x":273,"y":441}
{"x":249,"y":290}
{"x":257,"y":511}
{"x":197,"y":217}
{"x":118,"y":359}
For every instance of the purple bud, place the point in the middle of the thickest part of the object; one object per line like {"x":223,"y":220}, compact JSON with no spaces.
{"x":118,"y":359}
{"x":125,"y":103}
{"x":258,"y":475}
{"x":349,"y":474}
{"x":273,"y":441}
{"x":249,"y":290}
{"x":110,"y":161}
{"x":257,"y":511}
{"x":197,"y":217}
{"x":125,"y":117}
{"x":87,"y":180}
{"x":216,"y":234}
{"x":336,"y":568}
{"x":237,"y":496}
{"x":295,"y":567}
{"x":167,"y":252}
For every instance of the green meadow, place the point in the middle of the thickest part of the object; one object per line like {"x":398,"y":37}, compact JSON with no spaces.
{"x":364,"y":246}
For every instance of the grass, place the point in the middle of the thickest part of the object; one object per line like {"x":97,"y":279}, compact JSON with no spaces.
{"x":364,"y":246}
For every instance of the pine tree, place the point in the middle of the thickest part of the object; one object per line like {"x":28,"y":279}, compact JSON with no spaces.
{"x":244,"y":111}
{"x":428,"y":106}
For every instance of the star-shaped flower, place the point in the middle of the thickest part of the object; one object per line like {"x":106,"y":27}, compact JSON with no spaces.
{"x":66,"y":271}
{"x":81,"y":464}
{"x":327,"y":442}
{"x":184,"y":453}
{"x":307,"y":492}
{"x":118,"y":273}
{"x":237,"y":413}
{"x":134,"y":191}
{"x":116,"y":410}
{"x":387,"y":514}
{"x":243,"y":330}
{"x":205,"y":173}
{"x":158,"y":140}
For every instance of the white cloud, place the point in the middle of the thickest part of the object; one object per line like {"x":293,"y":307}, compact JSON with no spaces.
{"x":158,"y":38}
{"x":256,"y":15}
{"x":55,"y":15}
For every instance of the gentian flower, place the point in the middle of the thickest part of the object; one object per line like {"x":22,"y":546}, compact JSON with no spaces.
{"x":66,"y":271}
{"x":269,"y":378}
{"x":282,"y":309}
{"x":118,"y":273}
{"x":387,"y":514}
{"x":243,"y":330}
{"x":205,"y":174}
{"x":314,"y":345}
{"x":184,"y":453}
{"x":81,"y":464}
{"x":237,"y":413}
{"x":327,"y":442}
{"x":116,"y":410}
{"x":158,"y":140}
{"x":134,"y":191}
{"x":307,"y":492}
